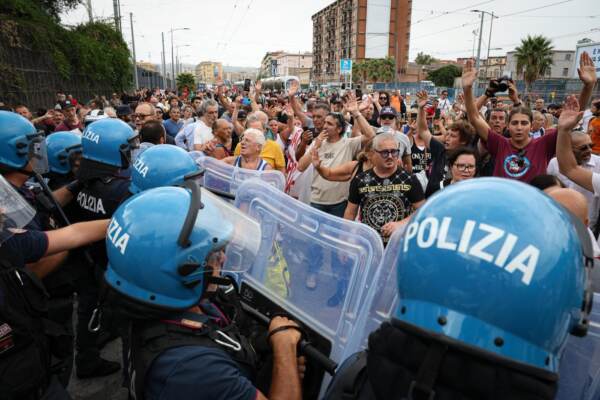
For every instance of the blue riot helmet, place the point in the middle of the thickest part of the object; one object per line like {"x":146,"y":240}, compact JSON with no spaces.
{"x":62,"y":148}
{"x":21,"y":143}
{"x":163,"y":245}
{"x":109,"y":141}
{"x":161,"y":165}
{"x":498,"y":266}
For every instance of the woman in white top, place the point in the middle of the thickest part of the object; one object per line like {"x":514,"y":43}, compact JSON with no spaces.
{"x":251,"y":145}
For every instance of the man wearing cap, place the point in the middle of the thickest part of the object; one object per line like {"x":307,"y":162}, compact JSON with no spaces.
{"x":71,"y":121}
{"x":387,"y":121}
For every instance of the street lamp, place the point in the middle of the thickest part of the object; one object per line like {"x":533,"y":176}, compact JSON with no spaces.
{"x":173,"y":52}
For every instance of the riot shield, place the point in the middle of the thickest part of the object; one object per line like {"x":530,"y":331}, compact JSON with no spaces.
{"x":580,"y":364}
{"x":298,"y":240}
{"x":226,"y":178}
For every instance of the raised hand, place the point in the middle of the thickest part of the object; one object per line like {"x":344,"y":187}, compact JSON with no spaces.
{"x":351,"y":105}
{"x":513,"y":94}
{"x":587,"y":69}
{"x":375,"y":97}
{"x":469,"y":75}
{"x":422,"y":98}
{"x":294,"y":87}
{"x":570,"y":115}
{"x":258,"y":86}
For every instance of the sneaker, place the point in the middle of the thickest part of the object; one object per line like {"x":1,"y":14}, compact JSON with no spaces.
{"x":101,"y":368}
{"x":311,"y":281}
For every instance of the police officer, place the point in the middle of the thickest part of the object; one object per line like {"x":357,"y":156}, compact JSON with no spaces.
{"x":25,"y":352}
{"x":22,"y":151}
{"x":486,"y":301}
{"x":161,"y":165}
{"x":106,"y":151}
{"x":166,"y":248}
{"x":64,"y":156}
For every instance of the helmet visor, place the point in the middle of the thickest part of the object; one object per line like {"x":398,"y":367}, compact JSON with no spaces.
{"x":38,"y":155}
{"x":15,"y":212}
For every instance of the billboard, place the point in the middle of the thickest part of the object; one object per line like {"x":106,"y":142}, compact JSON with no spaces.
{"x":377,"y":36}
{"x":593,"y":49}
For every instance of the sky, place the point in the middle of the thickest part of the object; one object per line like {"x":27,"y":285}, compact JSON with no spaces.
{"x":240,"y":32}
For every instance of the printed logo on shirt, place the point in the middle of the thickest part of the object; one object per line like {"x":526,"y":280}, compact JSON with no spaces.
{"x":6,"y":339}
{"x":516,"y":165}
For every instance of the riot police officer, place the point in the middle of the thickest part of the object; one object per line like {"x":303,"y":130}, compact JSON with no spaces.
{"x":161,"y":165}
{"x":106,"y":151}
{"x":25,"y":351}
{"x":22,"y":154}
{"x":64,"y":156}
{"x":486,"y":300}
{"x":167,"y":248}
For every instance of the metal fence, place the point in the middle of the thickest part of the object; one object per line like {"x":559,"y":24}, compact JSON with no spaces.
{"x":153,"y":79}
{"x":31,"y":78}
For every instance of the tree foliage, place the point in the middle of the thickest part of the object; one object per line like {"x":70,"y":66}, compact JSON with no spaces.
{"x":374,"y":70}
{"x":55,"y":7}
{"x":424,"y":59}
{"x":534,"y":58}
{"x":186,"y":79}
{"x":445,"y":75}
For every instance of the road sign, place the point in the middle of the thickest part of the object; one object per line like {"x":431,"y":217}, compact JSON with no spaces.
{"x":346,"y":66}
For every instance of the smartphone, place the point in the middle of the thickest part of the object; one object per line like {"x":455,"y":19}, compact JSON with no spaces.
{"x":437,"y":113}
{"x":359,"y":93}
{"x":247,"y":85}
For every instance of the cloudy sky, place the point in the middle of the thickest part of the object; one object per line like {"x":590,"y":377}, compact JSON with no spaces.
{"x":240,"y":32}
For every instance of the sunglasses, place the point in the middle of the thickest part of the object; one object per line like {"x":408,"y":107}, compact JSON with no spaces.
{"x":388,"y":153}
{"x":142,"y":116}
{"x":387,"y":117}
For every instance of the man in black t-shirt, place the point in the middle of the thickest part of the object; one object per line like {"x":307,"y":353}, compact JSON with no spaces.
{"x":385,"y":194}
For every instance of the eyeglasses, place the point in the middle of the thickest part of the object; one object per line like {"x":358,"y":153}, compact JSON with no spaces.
{"x":382,"y":98}
{"x":388,"y":153}
{"x":142,"y":116}
{"x":589,"y":146}
{"x":464,"y":167}
{"x":387,"y":117}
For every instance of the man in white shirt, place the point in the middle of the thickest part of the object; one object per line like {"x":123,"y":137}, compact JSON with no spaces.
{"x":444,"y":104}
{"x":582,"y":150}
{"x":203,"y":128}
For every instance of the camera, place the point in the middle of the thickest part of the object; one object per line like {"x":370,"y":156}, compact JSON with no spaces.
{"x":500,"y":84}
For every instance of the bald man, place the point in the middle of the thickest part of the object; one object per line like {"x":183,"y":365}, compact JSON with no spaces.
{"x":576,"y":203}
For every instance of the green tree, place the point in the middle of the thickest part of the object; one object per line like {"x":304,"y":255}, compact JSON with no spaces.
{"x":534,"y":58}
{"x":445,"y":75}
{"x":424,"y":59}
{"x":55,"y":7}
{"x":186,"y":79}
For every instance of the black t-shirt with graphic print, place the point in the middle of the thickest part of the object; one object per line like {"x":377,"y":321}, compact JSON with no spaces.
{"x":421,"y":158}
{"x":384,"y":200}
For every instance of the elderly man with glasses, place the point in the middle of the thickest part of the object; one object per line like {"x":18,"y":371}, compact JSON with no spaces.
{"x":385,"y":194}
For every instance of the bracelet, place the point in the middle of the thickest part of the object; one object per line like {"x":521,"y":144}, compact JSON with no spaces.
{"x":284,"y":328}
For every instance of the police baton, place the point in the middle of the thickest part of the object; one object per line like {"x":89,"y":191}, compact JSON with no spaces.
{"x":310,"y":351}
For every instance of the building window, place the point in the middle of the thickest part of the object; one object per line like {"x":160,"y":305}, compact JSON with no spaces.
{"x":565,"y":71}
{"x":568,"y":57}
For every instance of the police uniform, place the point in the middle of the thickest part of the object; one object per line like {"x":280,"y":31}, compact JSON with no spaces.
{"x":97,"y":199}
{"x":180,"y":358}
{"x":60,"y":287}
{"x":25,"y":355}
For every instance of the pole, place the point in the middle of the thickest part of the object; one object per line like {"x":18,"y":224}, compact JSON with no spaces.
{"x":172,"y":58}
{"x":487,"y":64}
{"x":135,"y":75}
{"x":478,"y":62}
{"x":396,"y":49}
{"x":164,"y":61}
{"x":116,"y":15}
{"x":120,"y":19}
{"x":89,"y":10}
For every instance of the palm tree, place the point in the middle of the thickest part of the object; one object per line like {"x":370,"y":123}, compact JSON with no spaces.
{"x":534,"y":58}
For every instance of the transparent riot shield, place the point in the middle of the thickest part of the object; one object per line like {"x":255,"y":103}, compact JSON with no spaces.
{"x":300,"y":243}
{"x":580,"y":364}
{"x":226,"y":178}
